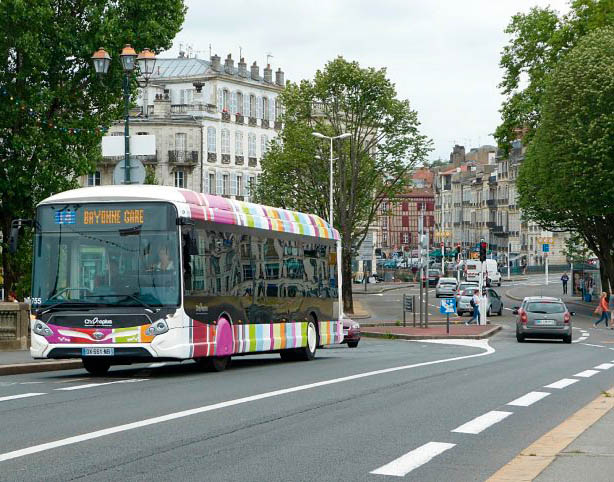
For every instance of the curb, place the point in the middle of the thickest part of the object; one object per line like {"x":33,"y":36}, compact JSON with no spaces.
{"x":400,"y":336}
{"x":36,"y":367}
{"x":577,"y":303}
{"x":383,"y":290}
{"x":359,"y":316}
{"x":533,"y":460}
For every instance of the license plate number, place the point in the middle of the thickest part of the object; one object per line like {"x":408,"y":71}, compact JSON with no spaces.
{"x":97,"y":351}
{"x":545,"y":322}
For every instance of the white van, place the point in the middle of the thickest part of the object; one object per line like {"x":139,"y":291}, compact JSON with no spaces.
{"x":472,"y":271}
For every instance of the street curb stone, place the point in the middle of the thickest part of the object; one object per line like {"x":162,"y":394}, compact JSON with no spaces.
{"x":394,"y":336}
{"x":36,"y":367}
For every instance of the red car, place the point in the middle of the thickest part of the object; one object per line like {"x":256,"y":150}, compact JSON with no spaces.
{"x":351,"y":332}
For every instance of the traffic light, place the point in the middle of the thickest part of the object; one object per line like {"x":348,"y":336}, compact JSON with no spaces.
{"x":483,"y":247}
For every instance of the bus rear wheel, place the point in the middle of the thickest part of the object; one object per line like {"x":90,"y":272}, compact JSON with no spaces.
{"x":309,"y":352}
{"x":96,"y":367}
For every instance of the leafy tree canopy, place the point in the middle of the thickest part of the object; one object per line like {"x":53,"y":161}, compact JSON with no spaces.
{"x":53,"y":107}
{"x":384,"y":145}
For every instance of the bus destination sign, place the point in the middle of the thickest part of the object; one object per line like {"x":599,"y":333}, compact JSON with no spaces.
{"x":113,"y":216}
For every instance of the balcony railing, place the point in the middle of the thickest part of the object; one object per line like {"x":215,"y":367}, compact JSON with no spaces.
{"x":252,"y":122}
{"x":239,"y":119}
{"x":490,"y":224}
{"x":252,"y":161}
{"x":277,"y":125}
{"x":211,"y":157}
{"x":225,"y":158}
{"x":239,"y":160}
{"x":183,"y":157}
{"x":491,"y":202}
{"x":502,"y":201}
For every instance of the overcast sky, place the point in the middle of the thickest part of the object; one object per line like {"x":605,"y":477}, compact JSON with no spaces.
{"x":443,"y":55}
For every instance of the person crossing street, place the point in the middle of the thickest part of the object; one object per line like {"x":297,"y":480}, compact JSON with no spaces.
{"x":564,"y":280}
{"x":475,"y":304}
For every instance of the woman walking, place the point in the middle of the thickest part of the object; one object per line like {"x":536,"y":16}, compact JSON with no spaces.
{"x":603,"y":309}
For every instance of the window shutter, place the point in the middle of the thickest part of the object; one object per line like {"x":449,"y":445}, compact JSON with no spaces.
{"x":233,"y":184}
{"x":246,"y":105}
{"x":245,"y":184}
{"x":233,"y":103}
{"x":259,"y":107}
{"x":272,"y":108}
{"x":220,"y":100}
{"x":220,"y":183}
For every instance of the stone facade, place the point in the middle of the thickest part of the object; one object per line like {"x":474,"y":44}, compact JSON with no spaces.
{"x":212,"y":123}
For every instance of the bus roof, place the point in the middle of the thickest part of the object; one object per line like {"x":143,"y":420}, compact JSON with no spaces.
{"x":207,"y":207}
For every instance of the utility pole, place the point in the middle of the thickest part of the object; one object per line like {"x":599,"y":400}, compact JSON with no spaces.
{"x":420,"y":257}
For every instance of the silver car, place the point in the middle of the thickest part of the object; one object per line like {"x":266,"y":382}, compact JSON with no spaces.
{"x":445,"y":287}
{"x":543,"y":317}
{"x":463,"y":303}
{"x":463,"y":285}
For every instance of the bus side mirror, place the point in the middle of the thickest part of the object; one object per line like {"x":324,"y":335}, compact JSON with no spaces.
{"x":190,"y":240}
{"x":14,"y":238}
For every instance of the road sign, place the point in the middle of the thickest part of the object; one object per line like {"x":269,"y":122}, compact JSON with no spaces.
{"x":447,"y":306}
{"x":545,"y":248}
{"x":408,"y":303}
{"x":137,"y":172}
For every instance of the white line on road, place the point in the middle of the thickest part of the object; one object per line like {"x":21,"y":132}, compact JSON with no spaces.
{"x":586,"y":373}
{"x":414,"y":459}
{"x":483,"y":344}
{"x":92,"y":385}
{"x":29,"y":383}
{"x":604,"y":366}
{"x":482,"y":422}
{"x":22,"y":395}
{"x":588,"y":344}
{"x":562,"y":383}
{"x":529,"y":399}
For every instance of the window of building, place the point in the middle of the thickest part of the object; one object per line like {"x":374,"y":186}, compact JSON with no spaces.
{"x":179,"y":179}
{"x":211,"y":183}
{"x":405,"y":238}
{"x":251,"y":145}
{"x":226,"y":186}
{"x":264,"y":144}
{"x":225,"y":100}
{"x":384,"y":239}
{"x":251,"y":185}
{"x":142,"y":133}
{"x":240,"y":184}
{"x":384,"y":206}
{"x":384,"y":222}
{"x":259,"y":108}
{"x":238,"y":143}
{"x":211,"y":140}
{"x":252,"y":106}
{"x":225,"y":141}
{"x":277,"y":109}
{"x":239,"y":103}
{"x":181,"y":141}
{"x":265,"y":108}
{"x":118,"y":133}
{"x":405,"y":221}
{"x":93,"y":179}
{"x":405,"y":206}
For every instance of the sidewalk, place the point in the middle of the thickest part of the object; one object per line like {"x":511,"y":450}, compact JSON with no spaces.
{"x":554,"y":290}
{"x":19,"y":362}
{"x":475,"y":332}
{"x":378,"y":288}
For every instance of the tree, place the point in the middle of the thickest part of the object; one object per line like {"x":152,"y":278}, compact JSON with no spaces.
{"x":150,"y":175}
{"x":565,"y":182}
{"x":54,"y":109}
{"x":538,"y":41}
{"x":384,"y":146}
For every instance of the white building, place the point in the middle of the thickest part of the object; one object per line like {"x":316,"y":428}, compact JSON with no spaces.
{"x":212,"y":123}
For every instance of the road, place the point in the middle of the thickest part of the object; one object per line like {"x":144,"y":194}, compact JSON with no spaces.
{"x":426,"y":411}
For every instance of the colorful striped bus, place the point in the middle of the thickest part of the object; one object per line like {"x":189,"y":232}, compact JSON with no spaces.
{"x":128,"y":274}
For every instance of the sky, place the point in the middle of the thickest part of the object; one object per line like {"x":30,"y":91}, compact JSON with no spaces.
{"x":442,"y":55}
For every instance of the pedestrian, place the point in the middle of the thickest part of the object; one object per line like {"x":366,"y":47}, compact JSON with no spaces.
{"x":603,"y":310}
{"x":564,"y":280}
{"x":475,"y":304}
{"x":13,"y":297}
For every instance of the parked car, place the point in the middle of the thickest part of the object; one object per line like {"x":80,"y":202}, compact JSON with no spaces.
{"x":493,"y":300}
{"x":445,"y":287}
{"x":351,"y":332}
{"x":433,"y":276}
{"x":543,"y":317}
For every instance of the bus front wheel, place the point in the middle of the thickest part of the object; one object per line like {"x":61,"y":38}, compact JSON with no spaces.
{"x":214,"y":364}
{"x":96,"y":367}
{"x":309,"y":352}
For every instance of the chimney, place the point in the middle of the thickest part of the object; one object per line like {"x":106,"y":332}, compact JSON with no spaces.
{"x":229,"y":65}
{"x":242,"y":68}
{"x":279,"y":77}
{"x":268,"y":74}
{"x":162,"y":105}
{"x":215,"y":63}
{"x":198,"y":94}
{"x":255,"y":71}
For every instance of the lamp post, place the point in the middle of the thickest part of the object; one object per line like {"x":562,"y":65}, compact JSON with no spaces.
{"x":145,"y":61}
{"x":331,"y":139}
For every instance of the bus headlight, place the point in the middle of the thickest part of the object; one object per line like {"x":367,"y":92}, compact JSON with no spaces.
{"x":41,"y":329}
{"x":157,"y":328}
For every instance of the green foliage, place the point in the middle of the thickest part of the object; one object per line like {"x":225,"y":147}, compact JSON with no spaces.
{"x":565,"y":182}
{"x":53,"y":107}
{"x":150,"y":175}
{"x":384,"y":146}
{"x":538,"y":41}
{"x":576,"y":250}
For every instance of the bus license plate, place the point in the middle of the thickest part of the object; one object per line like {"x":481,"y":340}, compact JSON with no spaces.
{"x":97,"y":351}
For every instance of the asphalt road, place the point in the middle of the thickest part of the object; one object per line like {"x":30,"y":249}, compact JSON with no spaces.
{"x":431,"y":411}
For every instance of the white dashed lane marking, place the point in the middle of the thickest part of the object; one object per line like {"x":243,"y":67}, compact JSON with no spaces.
{"x":414,"y":459}
{"x":21,"y":395}
{"x":92,"y":385}
{"x":529,"y":399}
{"x":604,"y":366}
{"x":482,"y":422}
{"x":586,"y":373}
{"x":564,"y":382}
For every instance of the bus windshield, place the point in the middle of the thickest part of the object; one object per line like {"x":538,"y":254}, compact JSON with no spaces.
{"x":111,"y":254}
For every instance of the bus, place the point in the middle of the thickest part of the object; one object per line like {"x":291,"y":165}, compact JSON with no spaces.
{"x":132,"y":274}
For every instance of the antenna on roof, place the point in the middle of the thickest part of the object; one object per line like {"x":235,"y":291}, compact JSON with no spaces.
{"x":240,"y":53}
{"x":209,"y":50}
{"x":268,"y":55}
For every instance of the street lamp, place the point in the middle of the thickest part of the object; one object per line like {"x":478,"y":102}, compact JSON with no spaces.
{"x":331,"y":139}
{"x":145,"y":61}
